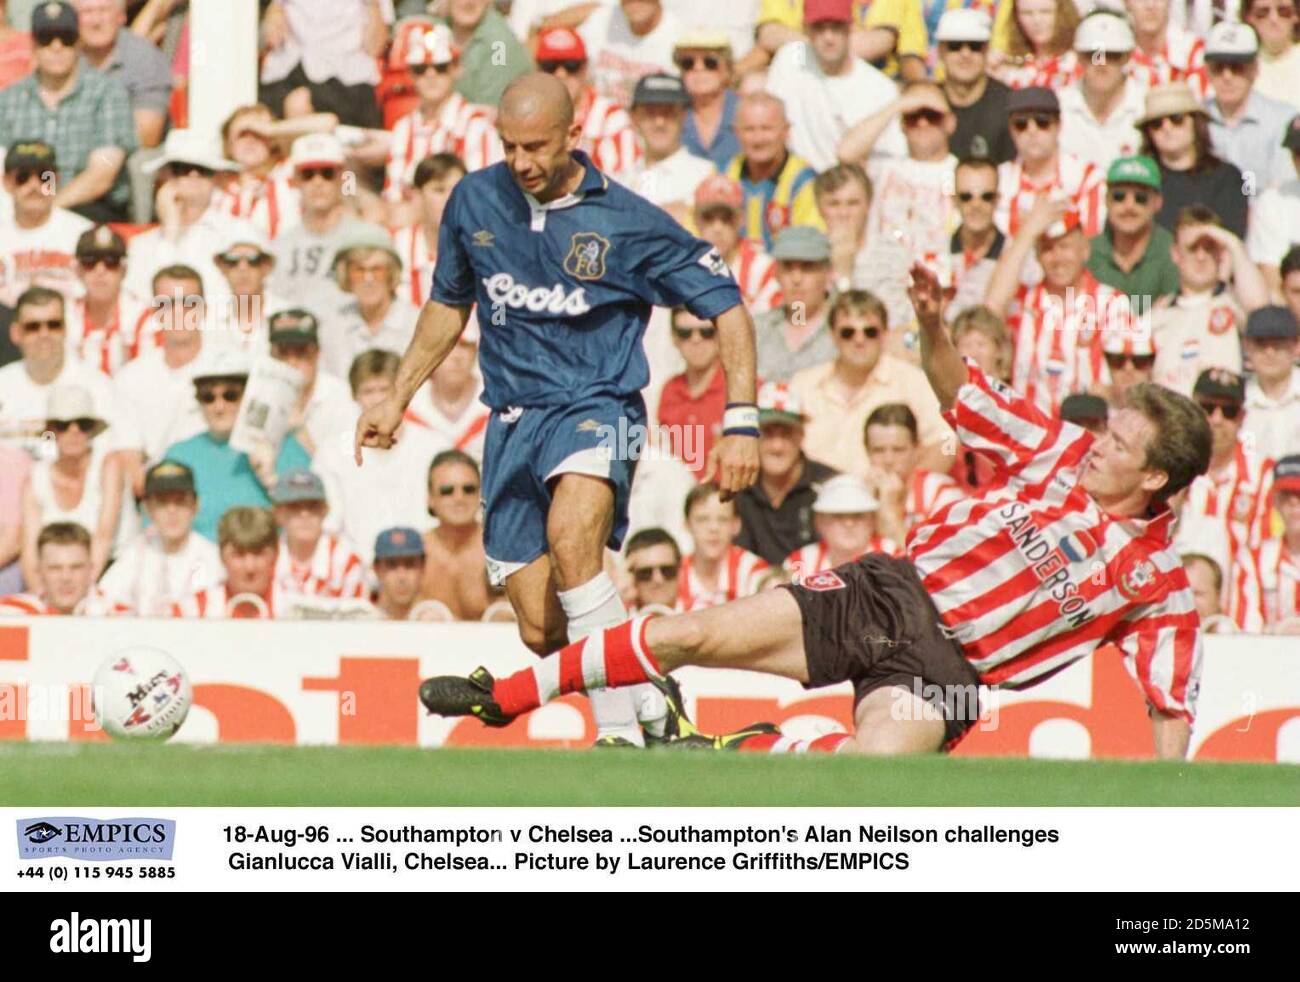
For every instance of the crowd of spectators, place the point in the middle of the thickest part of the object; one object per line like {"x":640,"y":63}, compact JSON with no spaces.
{"x":1108,"y":188}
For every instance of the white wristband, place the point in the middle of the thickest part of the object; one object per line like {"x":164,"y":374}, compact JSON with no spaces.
{"x":741,"y":418}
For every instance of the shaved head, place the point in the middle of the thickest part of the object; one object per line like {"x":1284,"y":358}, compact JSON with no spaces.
{"x":538,"y":134}
{"x":538,"y":96}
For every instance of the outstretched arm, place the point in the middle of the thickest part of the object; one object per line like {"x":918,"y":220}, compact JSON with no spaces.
{"x":943,"y":366}
{"x":734,"y":460}
{"x":436,"y":333}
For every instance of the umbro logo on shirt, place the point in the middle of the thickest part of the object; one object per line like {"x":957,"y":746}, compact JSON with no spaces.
{"x":484,"y":238}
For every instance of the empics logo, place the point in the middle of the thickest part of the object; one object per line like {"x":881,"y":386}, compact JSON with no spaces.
{"x":95,"y":839}
{"x":102,"y":935}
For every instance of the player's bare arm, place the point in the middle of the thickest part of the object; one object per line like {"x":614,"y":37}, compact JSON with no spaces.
{"x":943,"y":366}
{"x":733,"y":461}
{"x":436,"y":333}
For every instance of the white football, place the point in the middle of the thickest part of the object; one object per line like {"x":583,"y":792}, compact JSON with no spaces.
{"x":141,"y":693}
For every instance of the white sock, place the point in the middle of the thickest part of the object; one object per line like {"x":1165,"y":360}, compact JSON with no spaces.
{"x":594,"y":606}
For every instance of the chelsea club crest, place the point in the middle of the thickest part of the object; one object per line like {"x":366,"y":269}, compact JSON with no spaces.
{"x":586,"y":258}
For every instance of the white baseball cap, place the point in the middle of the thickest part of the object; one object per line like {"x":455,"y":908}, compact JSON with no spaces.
{"x":317,"y":150}
{"x":432,"y":47}
{"x":1104,"y":31}
{"x":845,"y":494}
{"x":1231,"y":41}
{"x":222,"y":363}
{"x":964,"y":25}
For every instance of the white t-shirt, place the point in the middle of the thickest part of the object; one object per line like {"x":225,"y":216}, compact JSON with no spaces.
{"x":43,"y":256}
{"x":304,"y":265}
{"x":24,"y":407}
{"x":159,"y":401}
{"x":618,"y":58}
{"x":150,"y":581}
{"x":1274,"y":224}
{"x":149,"y":252}
{"x":912,"y":204}
{"x":325,"y":36}
{"x":821,"y":108}
{"x":1273,"y":424}
{"x":390,"y":488}
{"x":331,"y":414}
{"x":674,"y":178}
{"x":1097,"y":142}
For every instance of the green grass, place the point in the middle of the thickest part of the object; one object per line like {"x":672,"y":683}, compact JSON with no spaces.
{"x":116,"y":774}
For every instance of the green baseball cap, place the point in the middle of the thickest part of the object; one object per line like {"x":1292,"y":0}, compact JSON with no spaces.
{"x":1135,"y":170}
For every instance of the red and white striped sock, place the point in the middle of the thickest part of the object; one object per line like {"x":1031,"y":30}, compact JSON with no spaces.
{"x":615,"y":656}
{"x":773,"y":743}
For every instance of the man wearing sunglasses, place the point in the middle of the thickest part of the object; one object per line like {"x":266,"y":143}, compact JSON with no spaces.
{"x":1246,"y":126}
{"x":978,"y":242}
{"x":692,"y":404}
{"x":654,"y":562}
{"x":443,"y":121}
{"x":104,"y":325}
{"x":88,"y":112}
{"x":454,"y":556}
{"x":978,"y":101}
{"x":192,"y":226}
{"x":1231,"y":499}
{"x":1279,"y":56}
{"x":827,"y":92}
{"x":1132,"y":254}
{"x":243,"y":307}
{"x":38,"y":242}
{"x":1272,"y":424}
{"x":1041,"y":168}
{"x":39,"y":330}
{"x":704,"y":60}
{"x":1200,"y":327}
{"x":225,"y":477}
{"x":1130,"y":360}
{"x":608,"y":135}
{"x":1100,"y":110}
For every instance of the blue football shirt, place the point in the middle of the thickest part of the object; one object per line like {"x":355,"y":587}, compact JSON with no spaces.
{"x":564,"y":290}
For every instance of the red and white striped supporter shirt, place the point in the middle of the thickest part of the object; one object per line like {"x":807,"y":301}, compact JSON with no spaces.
{"x":1080,"y":180}
{"x":815,"y":557}
{"x":1237,"y":497}
{"x":928,"y":493}
{"x":1033,"y":575}
{"x":460,"y":127}
{"x":465,"y":433}
{"x":737,"y":578}
{"x":1054,"y":72}
{"x":94,"y":604}
{"x":418,"y":261}
{"x":1057,"y":343}
{"x":755,"y":273}
{"x":270,"y":204}
{"x":608,"y":136}
{"x":335,"y":571}
{"x":110,"y":347}
{"x":1181,"y":59}
{"x":210,"y":604}
{"x":1265,"y":586}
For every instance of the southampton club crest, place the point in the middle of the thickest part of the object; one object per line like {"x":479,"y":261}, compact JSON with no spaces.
{"x":586,"y":258}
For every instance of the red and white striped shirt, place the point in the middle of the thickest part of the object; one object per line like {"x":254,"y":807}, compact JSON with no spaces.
{"x":334,"y":571}
{"x":815,"y":557}
{"x":928,"y":492}
{"x":110,"y":347}
{"x":465,"y":433}
{"x":738,"y":577}
{"x":460,"y":127}
{"x":608,"y":136}
{"x":418,"y":261}
{"x":1265,"y":586}
{"x":755,"y":273}
{"x":1057,"y":342}
{"x":270,"y":204}
{"x":1180,"y":59}
{"x":1083,"y":182}
{"x":1033,"y":575}
{"x":1236,"y":497}
{"x":94,"y":604}
{"x":1054,"y":72}
{"x":210,"y":604}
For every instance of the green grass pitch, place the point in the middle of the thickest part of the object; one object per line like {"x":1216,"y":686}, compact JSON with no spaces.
{"x":119,"y":774}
